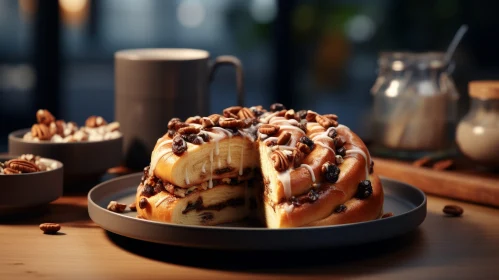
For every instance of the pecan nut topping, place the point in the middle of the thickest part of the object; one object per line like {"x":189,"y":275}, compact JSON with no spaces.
{"x":231,"y":112}
{"x":268,"y":129}
{"x":8,"y":171}
{"x":245,"y":113}
{"x":325,"y":122}
{"x":297,"y":158}
{"x":44,"y":117}
{"x":207,"y":122}
{"x":172,"y":122}
{"x":195,"y":119}
{"x":95,"y":121}
{"x":284,"y":138}
{"x":116,"y":207}
{"x":41,"y":131}
{"x":333,"y":117}
{"x":310,"y":117}
{"x":453,"y":210}
{"x":188,"y":130}
{"x":179,"y":125}
{"x":50,"y":228}
{"x":303,"y":148}
{"x":230,"y":123}
{"x":23,"y":166}
{"x":280,"y":160}
{"x":57,"y":127}
{"x":215,"y":118}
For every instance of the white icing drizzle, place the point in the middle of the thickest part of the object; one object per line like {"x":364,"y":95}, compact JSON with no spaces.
{"x":217,"y":150}
{"x":325,"y":146}
{"x":267,"y":118}
{"x":293,"y":128}
{"x":229,"y":159}
{"x":203,"y":169}
{"x":285,"y":179}
{"x":288,"y":207}
{"x":160,"y":201}
{"x":269,"y":139}
{"x":241,"y":162}
{"x":210,"y":183}
{"x":309,"y":170}
{"x":158,"y":155}
{"x":356,"y":150}
{"x":187,"y":182}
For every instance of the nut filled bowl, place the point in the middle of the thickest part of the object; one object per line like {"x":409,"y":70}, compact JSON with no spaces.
{"x":28,"y":181}
{"x":87,"y":152}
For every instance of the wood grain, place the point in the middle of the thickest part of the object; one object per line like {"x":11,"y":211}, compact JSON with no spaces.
{"x":465,"y":186}
{"x":441,"y":248}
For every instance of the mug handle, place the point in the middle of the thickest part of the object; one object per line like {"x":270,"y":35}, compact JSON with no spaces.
{"x":233,"y":61}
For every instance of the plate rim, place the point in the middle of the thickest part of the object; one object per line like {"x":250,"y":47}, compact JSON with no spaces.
{"x":92,"y":203}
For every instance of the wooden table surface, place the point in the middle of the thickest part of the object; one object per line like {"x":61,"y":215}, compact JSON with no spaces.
{"x":442,"y":247}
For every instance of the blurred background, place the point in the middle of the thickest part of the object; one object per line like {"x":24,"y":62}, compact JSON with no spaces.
{"x":319,"y":55}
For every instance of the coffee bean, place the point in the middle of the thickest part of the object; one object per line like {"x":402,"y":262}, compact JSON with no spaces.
{"x":179,"y":145}
{"x":364,"y":190}
{"x":453,"y":210}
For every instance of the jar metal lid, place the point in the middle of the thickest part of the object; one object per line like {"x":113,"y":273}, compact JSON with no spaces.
{"x":484,"y":89}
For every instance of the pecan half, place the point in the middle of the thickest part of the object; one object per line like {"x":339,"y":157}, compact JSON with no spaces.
{"x":95,"y":121}
{"x":57,"y":127}
{"x":283,"y":138}
{"x":231,"y":112}
{"x":245,"y":113}
{"x":311,"y":116}
{"x":333,"y":117}
{"x":188,"y":130}
{"x":215,"y":118}
{"x":195,"y":119}
{"x":268,"y":129}
{"x":207,"y":122}
{"x":8,"y":171}
{"x":179,"y":125}
{"x":172,"y":122}
{"x":22,"y":165}
{"x":41,"y":131}
{"x":325,"y":122}
{"x":116,"y":207}
{"x":297,"y":158}
{"x":50,"y":228}
{"x":290,"y":114}
{"x":280,"y":160}
{"x":230,"y":123}
{"x":44,"y":117}
{"x":303,"y":148}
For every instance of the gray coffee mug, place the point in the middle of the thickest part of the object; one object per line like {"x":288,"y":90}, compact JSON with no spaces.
{"x":154,"y":85}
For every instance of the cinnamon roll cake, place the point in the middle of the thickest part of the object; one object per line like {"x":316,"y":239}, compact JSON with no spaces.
{"x":286,"y":168}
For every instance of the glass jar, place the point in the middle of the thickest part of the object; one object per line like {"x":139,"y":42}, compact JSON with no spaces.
{"x":415,"y":105}
{"x":477,"y":134}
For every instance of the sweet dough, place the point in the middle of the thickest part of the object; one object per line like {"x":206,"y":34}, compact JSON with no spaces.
{"x":290,"y":169}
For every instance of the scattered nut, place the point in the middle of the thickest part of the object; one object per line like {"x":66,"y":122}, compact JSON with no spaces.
{"x":387,"y":215}
{"x":188,"y":130}
{"x":9,"y":171}
{"x":453,"y":210}
{"x":245,"y":113}
{"x":303,"y":148}
{"x":333,"y":117}
{"x":443,"y":165}
{"x":268,"y":129}
{"x":23,"y":166}
{"x":207,"y":122}
{"x":44,"y":117}
{"x":50,"y":228}
{"x":95,"y":121}
{"x":41,"y":131}
{"x":311,"y":115}
{"x":325,"y":122}
{"x":116,"y":207}
{"x":133,"y":206}
{"x":214,"y":118}
{"x":297,"y":158}
{"x":283,"y":138}
{"x":290,"y":114}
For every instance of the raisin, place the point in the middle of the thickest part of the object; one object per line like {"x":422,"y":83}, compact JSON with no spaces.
{"x":332,"y":133}
{"x":340,"y":209}
{"x":339,"y":142}
{"x":277,"y":107}
{"x":143,"y":203}
{"x":159,"y":187}
{"x":148,"y":191}
{"x":313,"y":195}
{"x":364,"y":190}
{"x":371,"y":167}
{"x":341,"y":151}
{"x":171,"y":133}
{"x":331,"y":172}
{"x":307,"y":141}
{"x":179,"y":145}
{"x":204,"y":136}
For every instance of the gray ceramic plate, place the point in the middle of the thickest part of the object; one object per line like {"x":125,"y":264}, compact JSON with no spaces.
{"x":406,"y":202}
{"x":22,"y":191}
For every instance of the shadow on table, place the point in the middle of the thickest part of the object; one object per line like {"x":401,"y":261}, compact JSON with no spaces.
{"x":368,"y":256}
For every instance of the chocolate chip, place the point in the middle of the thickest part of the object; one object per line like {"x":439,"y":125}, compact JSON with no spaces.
{"x":331,"y":172}
{"x":302,"y":114}
{"x":277,"y":107}
{"x":307,"y":141}
{"x":364,"y":190}
{"x":341,"y":151}
{"x":148,"y":191}
{"x":179,"y":145}
{"x":332,"y":133}
{"x":340,"y":209}
{"x":143,"y":203}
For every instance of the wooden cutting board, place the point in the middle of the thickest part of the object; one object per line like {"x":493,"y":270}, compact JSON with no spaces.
{"x":460,"y":184}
